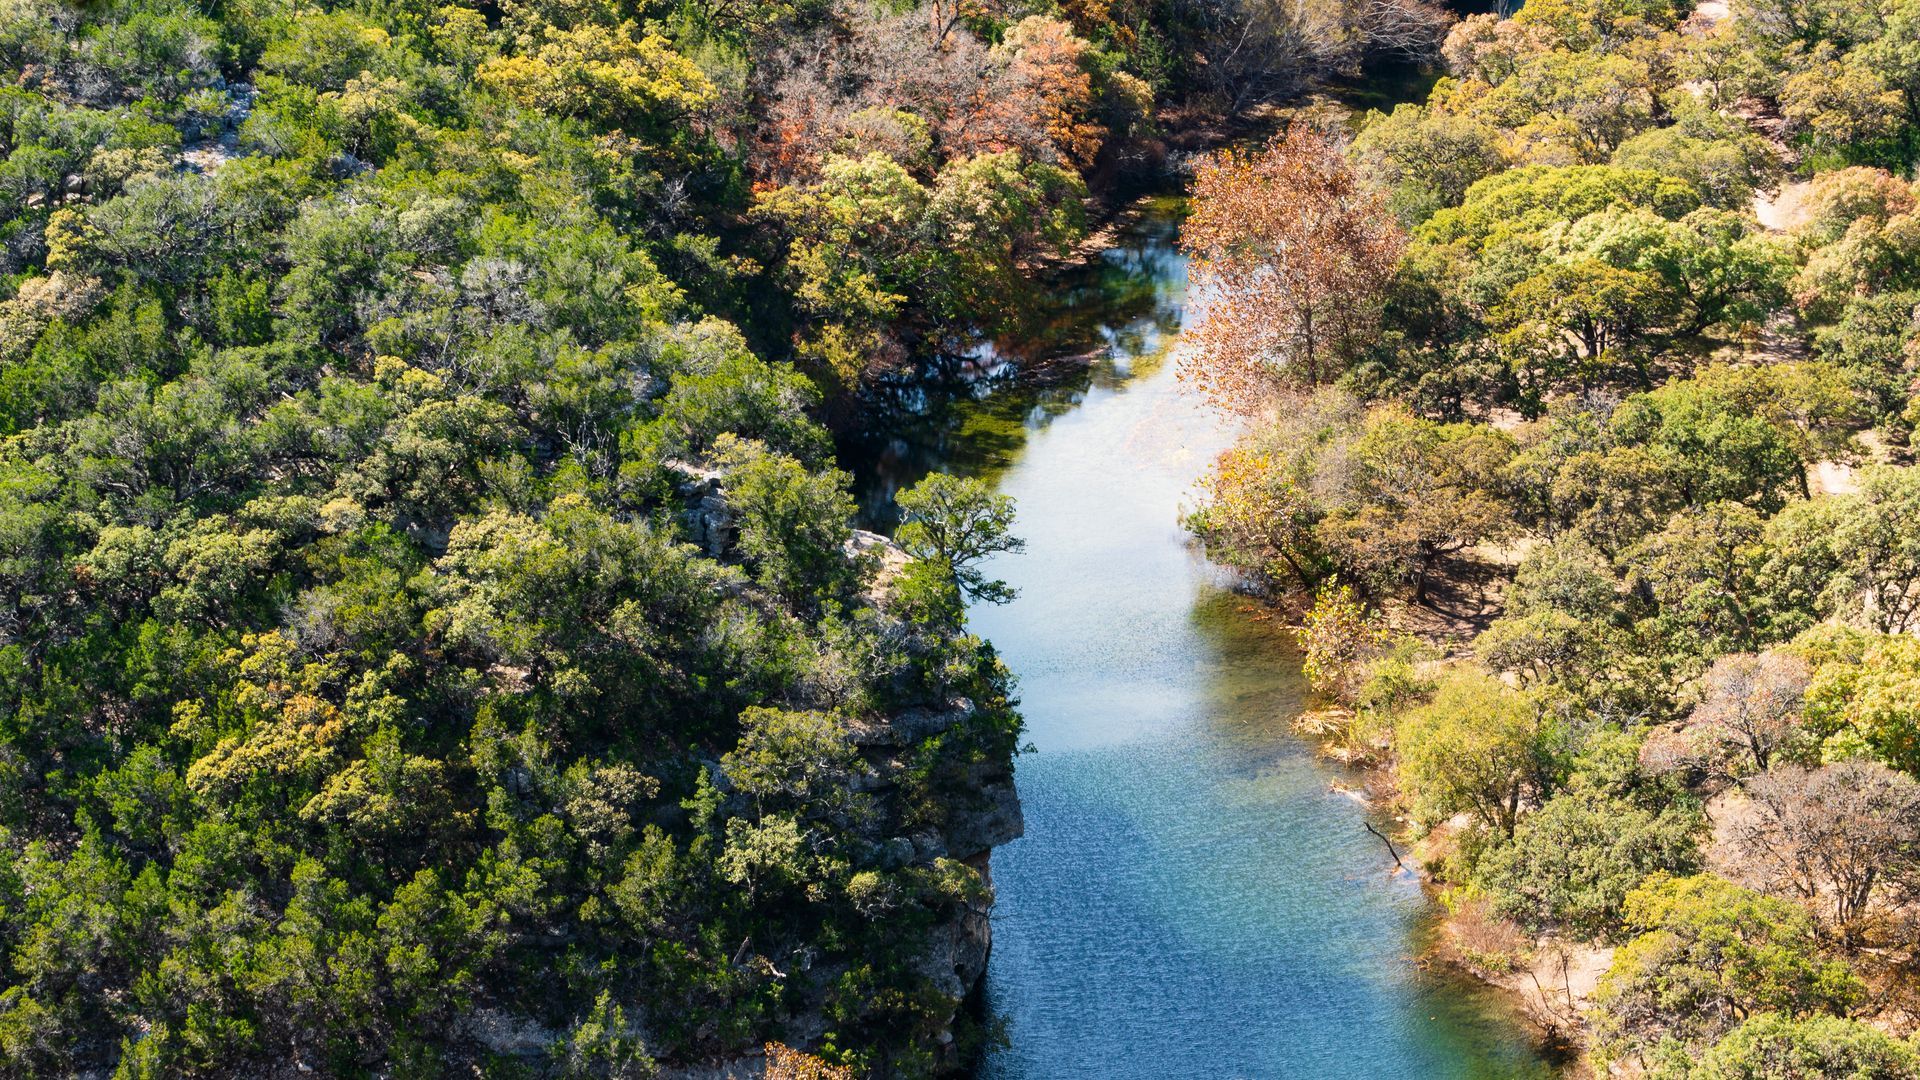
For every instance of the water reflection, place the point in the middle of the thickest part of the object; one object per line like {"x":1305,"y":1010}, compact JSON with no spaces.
{"x":1098,"y":325}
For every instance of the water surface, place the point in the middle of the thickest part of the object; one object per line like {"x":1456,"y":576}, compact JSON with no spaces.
{"x":1192,"y":897}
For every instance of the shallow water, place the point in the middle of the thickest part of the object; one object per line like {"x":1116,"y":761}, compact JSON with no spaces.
{"x":1192,"y":898}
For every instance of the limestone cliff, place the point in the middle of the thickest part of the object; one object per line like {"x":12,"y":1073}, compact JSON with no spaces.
{"x":976,"y":811}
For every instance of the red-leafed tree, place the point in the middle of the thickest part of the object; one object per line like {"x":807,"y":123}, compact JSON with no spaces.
{"x":1290,"y":253}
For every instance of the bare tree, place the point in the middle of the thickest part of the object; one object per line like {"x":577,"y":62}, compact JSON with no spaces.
{"x":1752,"y":704}
{"x":1264,"y":50}
{"x":1838,"y":838}
{"x":1409,"y":28}
{"x":815,"y":86}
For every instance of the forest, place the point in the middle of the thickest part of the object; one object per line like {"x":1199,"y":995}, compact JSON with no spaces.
{"x":1580,"y":399}
{"x":433,"y":635}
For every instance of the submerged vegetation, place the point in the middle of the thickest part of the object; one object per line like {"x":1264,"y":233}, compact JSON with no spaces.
{"x":1582,"y":395}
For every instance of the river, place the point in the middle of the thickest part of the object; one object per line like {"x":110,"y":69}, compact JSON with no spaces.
{"x":1193,"y":898}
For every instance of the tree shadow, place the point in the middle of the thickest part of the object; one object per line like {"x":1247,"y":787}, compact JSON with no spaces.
{"x":1464,"y":595}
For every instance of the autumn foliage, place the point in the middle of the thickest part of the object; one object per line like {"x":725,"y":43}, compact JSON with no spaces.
{"x":786,"y":1063}
{"x":1042,"y":91}
{"x":1290,"y":251}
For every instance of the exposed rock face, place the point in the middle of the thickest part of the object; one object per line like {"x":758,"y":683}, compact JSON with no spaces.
{"x":997,"y":820}
{"x":956,"y":957}
{"x":956,"y":952}
{"x":712,"y":522}
{"x":911,"y":726}
{"x":215,"y":149}
{"x":990,"y":818}
{"x":887,"y":555}
{"x":986,"y":815}
{"x":510,"y":1035}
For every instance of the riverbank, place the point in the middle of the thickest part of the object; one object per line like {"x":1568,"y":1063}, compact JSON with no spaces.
{"x":1546,"y":981}
{"x":1622,"y":665}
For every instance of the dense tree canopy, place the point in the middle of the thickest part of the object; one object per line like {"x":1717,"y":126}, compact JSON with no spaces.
{"x":432,"y":632}
{"x":1598,"y":507}
{"x":1706,"y":956}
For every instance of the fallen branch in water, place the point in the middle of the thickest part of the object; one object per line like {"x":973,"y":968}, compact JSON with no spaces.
{"x":1386,"y":841}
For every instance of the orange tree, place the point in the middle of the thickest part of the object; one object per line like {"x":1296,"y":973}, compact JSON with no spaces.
{"x":1290,"y":252}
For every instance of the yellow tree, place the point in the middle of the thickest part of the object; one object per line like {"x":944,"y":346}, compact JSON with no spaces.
{"x":1290,"y":253}
{"x":786,"y":1063}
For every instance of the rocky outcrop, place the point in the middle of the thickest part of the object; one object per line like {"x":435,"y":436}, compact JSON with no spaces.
{"x":956,"y":957}
{"x":954,"y":954}
{"x":989,"y":818}
{"x":887,"y":557}
{"x":909,"y":727}
{"x":221,"y":145}
{"x":712,"y":523}
{"x":982,"y":815}
{"x":995,"y":820}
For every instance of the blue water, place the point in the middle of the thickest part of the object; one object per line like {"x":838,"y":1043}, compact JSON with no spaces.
{"x":1193,"y":898}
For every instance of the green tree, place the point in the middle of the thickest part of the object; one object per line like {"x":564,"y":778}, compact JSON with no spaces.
{"x":1701,"y":572}
{"x":1408,"y":493}
{"x":1705,"y":956}
{"x":993,"y":214}
{"x":953,"y":523}
{"x":604,"y":1045}
{"x":1876,"y":546}
{"x":1862,"y":699}
{"x":1715,"y":154}
{"x":1710,"y":447}
{"x":1479,"y":748}
{"x":1565,"y":621}
{"x":1774,"y":1047}
{"x":1426,"y":158}
{"x":1526,"y":200}
{"x":1868,"y":344}
{"x":793,"y":524}
{"x":1840,"y":102}
{"x":1572,"y":862}
{"x":1602,"y":310}
{"x":796,"y":762}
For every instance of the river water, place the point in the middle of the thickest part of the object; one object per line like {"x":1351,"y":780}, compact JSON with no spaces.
{"x":1192,"y":897}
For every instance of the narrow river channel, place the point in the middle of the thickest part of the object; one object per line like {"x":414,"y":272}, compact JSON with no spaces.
{"x":1192,"y":897}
